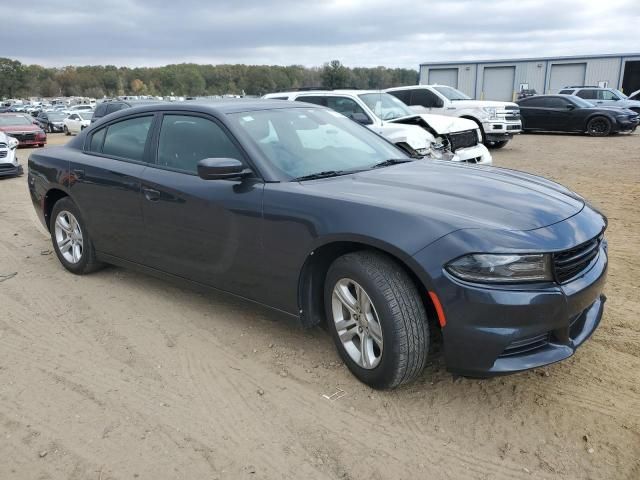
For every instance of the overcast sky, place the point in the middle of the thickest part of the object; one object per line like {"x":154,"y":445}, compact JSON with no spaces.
{"x":393,"y":33}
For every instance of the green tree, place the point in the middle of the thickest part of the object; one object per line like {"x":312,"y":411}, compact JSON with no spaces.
{"x":335,"y":75}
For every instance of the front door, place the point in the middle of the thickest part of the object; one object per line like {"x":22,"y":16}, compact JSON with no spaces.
{"x":208,"y":231}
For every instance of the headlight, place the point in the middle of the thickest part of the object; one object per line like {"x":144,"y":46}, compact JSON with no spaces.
{"x":491,"y":112}
{"x":493,"y":268}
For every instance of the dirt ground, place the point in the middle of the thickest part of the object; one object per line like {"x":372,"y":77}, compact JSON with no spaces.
{"x":119,"y":376}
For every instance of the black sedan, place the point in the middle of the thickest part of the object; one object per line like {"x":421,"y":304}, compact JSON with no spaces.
{"x":568,"y":113}
{"x":51,"y":121}
{"x":294,"y":206}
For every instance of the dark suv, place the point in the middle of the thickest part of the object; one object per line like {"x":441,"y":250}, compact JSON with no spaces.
{"x":105,"y":108}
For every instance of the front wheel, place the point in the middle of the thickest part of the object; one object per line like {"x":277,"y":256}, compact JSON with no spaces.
{"x":497,"y":145}
{"x":70,"y":238}
{"x":599,"y":127}
{"x":377,"y":319}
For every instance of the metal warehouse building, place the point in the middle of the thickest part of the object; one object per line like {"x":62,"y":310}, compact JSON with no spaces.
{"x":502,"y":79}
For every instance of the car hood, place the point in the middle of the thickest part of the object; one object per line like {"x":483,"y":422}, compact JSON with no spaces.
{"x":481,"y":103}
{"x":441,"y":124}
{"x":20,"y":128}
{"x":462,"y":196}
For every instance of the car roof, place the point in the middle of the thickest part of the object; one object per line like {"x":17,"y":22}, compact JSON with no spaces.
{"x":222,"y":106}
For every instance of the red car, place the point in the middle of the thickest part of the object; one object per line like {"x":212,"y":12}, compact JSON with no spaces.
{"x":21,"y":127}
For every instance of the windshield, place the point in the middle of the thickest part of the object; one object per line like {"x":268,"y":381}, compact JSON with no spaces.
{"x":451,"y":93}
{"x":8,"y":120}
{"x":385,"y":106}
{"x":85,"y":115}
{"x":307,"y":141}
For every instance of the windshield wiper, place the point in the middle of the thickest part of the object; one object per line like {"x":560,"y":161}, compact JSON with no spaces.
{"x":325,"y":174}
{"x":391,"y":161}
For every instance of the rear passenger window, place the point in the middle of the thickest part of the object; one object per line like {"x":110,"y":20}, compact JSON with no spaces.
{"x":114,"y":107}
{"x":127,"y":139}
{"x":588,"y":94}
{"x":185,"y":140}
{"x":96,"y":140}
{"x":100,"y":110}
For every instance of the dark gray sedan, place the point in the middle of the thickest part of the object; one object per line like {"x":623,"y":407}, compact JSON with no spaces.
{"x":296,"y":207}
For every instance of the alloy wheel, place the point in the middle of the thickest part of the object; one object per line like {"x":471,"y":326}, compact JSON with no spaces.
{"x":69,"y":237}
{"x":357,"y":323}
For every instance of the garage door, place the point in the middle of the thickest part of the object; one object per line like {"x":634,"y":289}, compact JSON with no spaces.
{"x":566,"y":75}
{"x":497,"y":83}
{"x":444,"y":76}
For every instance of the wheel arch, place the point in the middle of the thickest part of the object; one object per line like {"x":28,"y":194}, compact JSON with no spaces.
{"x":314,"y":272}
{"x":52,"y":196}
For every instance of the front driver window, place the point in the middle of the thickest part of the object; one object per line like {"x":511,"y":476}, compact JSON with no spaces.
{"x":185,"y":140}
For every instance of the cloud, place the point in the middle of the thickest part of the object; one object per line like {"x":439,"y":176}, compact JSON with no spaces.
{"x":358,"y":32}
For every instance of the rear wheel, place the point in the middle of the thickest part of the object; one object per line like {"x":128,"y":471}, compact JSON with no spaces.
{"x":599,"y":127}
{"x":71,"y":240}
{"x":377,"y":319}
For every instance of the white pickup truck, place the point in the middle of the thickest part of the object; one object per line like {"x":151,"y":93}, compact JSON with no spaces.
{"x":434,"y":136}
{"x":498,"y":121}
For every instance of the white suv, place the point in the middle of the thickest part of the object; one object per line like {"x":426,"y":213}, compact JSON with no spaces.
{"x":499,"y":121}
{"x":436,"y":136}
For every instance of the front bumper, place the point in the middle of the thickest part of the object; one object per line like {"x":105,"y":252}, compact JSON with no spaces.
{"x":501,"y":130}
{"x":10,"y":170}
{"x":478,"y":154}
{"x":494,"y":329}
{"x":625,"y":125}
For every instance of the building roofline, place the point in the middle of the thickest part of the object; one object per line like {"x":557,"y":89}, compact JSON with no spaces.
{"x":532,"y":59}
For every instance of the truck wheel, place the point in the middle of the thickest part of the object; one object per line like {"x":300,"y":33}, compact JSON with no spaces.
{"x":497,"y":145}
{"x":376,"y":318}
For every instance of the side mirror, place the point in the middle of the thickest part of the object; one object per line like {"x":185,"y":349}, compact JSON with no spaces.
{"x":361,"y":118}
{"x":222,"y":169}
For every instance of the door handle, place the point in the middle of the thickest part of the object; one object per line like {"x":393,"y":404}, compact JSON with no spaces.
{"x":151,"y":194}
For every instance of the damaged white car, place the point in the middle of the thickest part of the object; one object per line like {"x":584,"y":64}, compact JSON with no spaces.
{"x":9,"y":165}
{"x":435,"y":136}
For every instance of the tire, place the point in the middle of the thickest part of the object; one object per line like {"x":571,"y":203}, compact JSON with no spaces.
{"x":394,"y":314}
{"x":599,"y":126}
{"x":66,"y":131}
{"x":66,"y":213}
{"x":497,"y":145}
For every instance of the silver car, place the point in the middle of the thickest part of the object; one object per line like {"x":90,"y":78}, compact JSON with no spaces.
{"x":603,"y":96}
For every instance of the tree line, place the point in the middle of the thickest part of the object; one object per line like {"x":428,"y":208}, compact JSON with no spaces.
{"x":18,"y":80}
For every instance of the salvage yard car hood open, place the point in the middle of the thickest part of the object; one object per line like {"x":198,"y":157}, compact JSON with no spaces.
{"x":462,"y":196}
{"x":440,"y":124}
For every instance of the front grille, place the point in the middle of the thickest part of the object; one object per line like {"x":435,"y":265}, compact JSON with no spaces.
{"x":513,"y":113}
{"x":24,"y":137}
{"x":468,"y":138}
{"x":525,"y":345}
{"x":569,"y":263}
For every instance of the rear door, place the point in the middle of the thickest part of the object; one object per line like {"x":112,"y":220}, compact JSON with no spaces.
{"x":105,"y":184}
{"x":209,"y":231}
